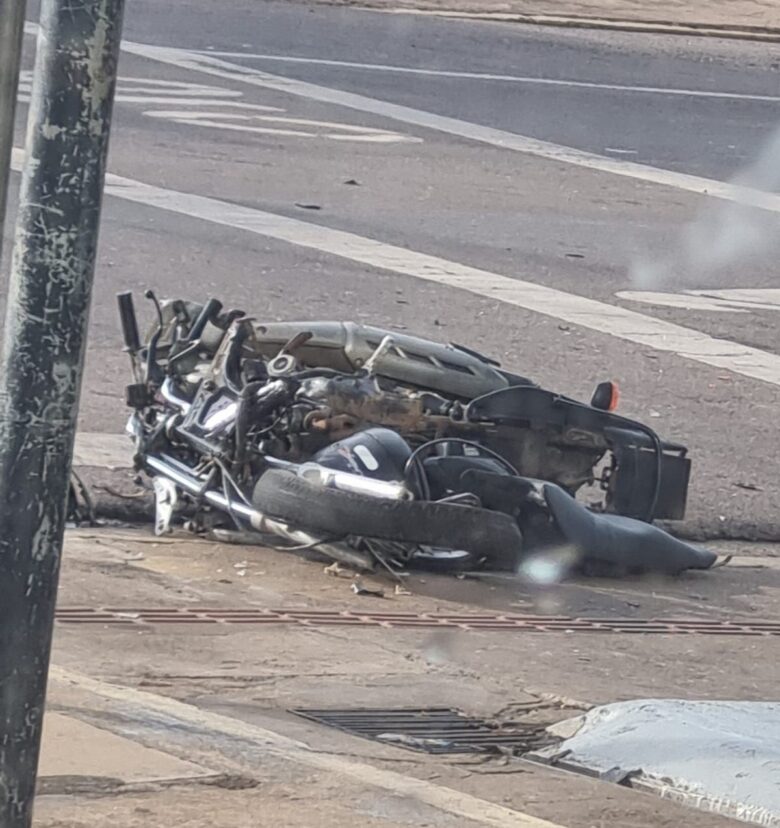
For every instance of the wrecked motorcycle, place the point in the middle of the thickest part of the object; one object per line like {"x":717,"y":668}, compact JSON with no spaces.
{"x":383,"y":449}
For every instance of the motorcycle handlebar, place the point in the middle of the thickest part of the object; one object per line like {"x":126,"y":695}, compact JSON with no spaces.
{"x":129,"y":322}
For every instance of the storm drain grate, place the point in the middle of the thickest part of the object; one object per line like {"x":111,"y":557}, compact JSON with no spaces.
{"x":111,"y":616}
{"x":433,"y":729}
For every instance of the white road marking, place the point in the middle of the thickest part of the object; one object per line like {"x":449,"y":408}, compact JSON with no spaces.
{"x":131,"y":89}
{"x":502,"y":139}
{"x":289,"y":133}
{"x":164,"y":84}
{"x":24,"y":97}
{"x":216,"y":728}
{"x":317,"y":129}
{"x":151,"y":91}
{"x":174,"y":101}
{"x":751,"y":296}
{"x":578,"y":310}
{"x":731,"y":300}
{"x":523,"y":79}
{"x":154,"y":91}
{"x":683,"y":301}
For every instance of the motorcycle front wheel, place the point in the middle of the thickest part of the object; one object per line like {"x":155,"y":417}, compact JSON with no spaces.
{"x":488,"y":535}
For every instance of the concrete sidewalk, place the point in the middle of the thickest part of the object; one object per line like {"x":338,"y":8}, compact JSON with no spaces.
{"x":740,"y":16}
{"x":154,"y":723}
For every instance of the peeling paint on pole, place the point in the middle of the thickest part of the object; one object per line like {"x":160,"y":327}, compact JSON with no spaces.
{"x":43,"y":356}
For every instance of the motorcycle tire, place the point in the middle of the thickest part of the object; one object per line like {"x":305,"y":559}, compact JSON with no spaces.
{"x":493,"y":536}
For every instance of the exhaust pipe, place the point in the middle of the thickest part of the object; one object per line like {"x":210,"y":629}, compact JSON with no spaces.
{"x":355,"y":483}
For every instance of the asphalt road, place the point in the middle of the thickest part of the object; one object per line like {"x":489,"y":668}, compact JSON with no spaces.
{"x":693,"y":133}
{"x":222,"y":112}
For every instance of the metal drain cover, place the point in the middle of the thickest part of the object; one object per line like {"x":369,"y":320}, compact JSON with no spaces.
{"x":433,"y":729}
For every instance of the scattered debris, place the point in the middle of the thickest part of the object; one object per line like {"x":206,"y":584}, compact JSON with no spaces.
{"x":751,"y":487}
{"x":360,"y":589}
{"x":134,"y":556}
{"x":414,"y":742}
{"x":234,"y":537}
{"x":80,"y":508}
{"x":336,"y":570}
{"x":619,"y":776}
{"x":110,"y":490}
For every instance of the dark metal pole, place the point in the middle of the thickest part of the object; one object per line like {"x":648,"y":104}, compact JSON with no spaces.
{"x":11,"y":29}
{"x":43,"y":356}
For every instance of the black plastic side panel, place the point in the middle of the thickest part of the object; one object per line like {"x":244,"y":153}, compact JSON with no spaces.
{"x":633,"y":483}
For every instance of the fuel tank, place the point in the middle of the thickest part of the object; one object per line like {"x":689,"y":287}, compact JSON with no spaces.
{"x":346,"y":346}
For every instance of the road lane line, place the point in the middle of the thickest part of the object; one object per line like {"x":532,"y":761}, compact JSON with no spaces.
{"x":235,"y":737}
{"x":578,"y":310}
{"x":523,"y":79}
{"x":502,"y":139}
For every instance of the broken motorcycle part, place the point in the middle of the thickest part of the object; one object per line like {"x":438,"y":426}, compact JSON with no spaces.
{"x":387,"y":450}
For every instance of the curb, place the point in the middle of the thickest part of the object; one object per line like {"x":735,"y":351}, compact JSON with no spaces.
{"x":711,"y":30}
{"x":114,"y":495}
{"x":134,"y":512}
